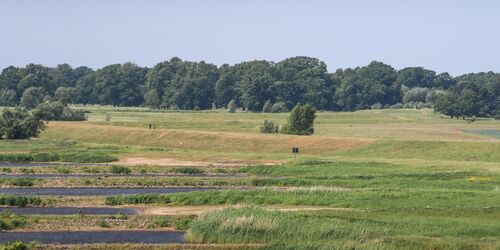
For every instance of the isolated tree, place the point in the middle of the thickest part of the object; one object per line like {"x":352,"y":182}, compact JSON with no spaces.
{"x":19,"y":124}
{"x":301,"y":120}
{"x":32,"y":96}
{"x":231,"y":107}
{"x":268,"y":127}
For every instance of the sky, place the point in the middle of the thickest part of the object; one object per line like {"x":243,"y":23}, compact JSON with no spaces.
{"x":443,"y":35}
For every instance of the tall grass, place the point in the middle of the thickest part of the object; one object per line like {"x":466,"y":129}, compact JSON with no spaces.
{"x":298,"y":230}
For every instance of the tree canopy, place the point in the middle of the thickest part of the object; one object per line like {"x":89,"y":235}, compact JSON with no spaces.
{"x":179,"y":84}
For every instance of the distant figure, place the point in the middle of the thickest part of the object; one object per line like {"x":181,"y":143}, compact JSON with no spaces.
{"x":154,"y":126}
{"x":150,"y":126}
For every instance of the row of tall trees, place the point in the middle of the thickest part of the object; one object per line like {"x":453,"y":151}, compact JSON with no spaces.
{"x":473,"y":95}
{"x":253,"y":85}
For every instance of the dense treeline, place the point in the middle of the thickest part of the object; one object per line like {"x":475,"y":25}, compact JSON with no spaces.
{"x":254,"y":86}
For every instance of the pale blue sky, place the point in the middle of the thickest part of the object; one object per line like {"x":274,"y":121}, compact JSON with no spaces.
{"x":444,"y":35}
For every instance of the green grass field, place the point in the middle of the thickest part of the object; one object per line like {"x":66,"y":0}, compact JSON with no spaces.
{"x":380,"y":179}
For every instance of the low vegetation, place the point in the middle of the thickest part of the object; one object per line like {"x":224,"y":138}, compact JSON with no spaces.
{"x":19,"y":201}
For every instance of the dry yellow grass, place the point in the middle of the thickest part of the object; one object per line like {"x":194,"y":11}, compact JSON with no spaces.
{"x":199,"y":140}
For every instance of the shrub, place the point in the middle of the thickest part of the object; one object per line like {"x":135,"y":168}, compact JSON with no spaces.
{"x":6,"y":170}
{"x":183,"y":223}
{"x":19,"y":124}
{"x":376,"y":106}
{"x":268,"y":107}
{"x":268,"y":127}
{"x":56,"y":111}
{"x":279,"y":107}
{"x":19,"y":201}
{"x":32,"y":96}
{"x":91,"y":170}
{"x":63,"y":170}
{"x":231,"y":106}
{"x":301,"y":120}
{"x":15,"y":158}
{"x":45,"y":157}
{"x":85,"y":157}
{"x":119,"y":170}
{"x":163,"y":222}
{"x":17,"y":245}
{"x":189,"y":171}
{"x":21,"y":182}
{"x":396,"y":106}
{"x":27,"y":171}
{"x":9,"y":220}
{"x":103,"y":224}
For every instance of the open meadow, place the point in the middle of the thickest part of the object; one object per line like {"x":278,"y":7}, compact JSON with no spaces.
{"x":372,"y":179}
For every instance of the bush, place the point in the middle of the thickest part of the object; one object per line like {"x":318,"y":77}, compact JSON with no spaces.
{"x":136,"y":199}
{"x":376,"y":106}
{"x":268,"y":107}
{"x":301,"y":121}
{"x":15,"y":158}
{"x":183,"y":223}
{"x":231,"y":106}
{"x":63,"y":170}
{"x":279,"y":107}
{"x":19,"y":124}
{"x":9,"y":220}
{"x":14,"y":246}
{"x":189,"y":171}
{"x":396,"y":106}
{"x":6,"y":170}
{"x":268,"y":127}
{"x":120,"y":170}
{"x":497,"y":117}
{"x":56,"y":111}
{"x":45,"y":157}
{"x":19,"y":201}
{"x":163,"y":222}
{"x":27,"y":171}
{"x":103,"y":224}
{"x":21,"y":182}
{"x":85,"y":157}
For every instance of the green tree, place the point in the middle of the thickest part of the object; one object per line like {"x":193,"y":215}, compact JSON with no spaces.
{"x":268,"y":106}
{"x":65,"y":95}
{"x":152,"y":99}
{"x":268,"y":127}
{"x":8,"y":97}
{"x":301,"y":120}
{"x":279,"y":107}
{"x":19,"y":124}
{"x":231,"y":107}
{"x":32,"y":96}
{"x":86,"y":88}
{"x":416,"y":94}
